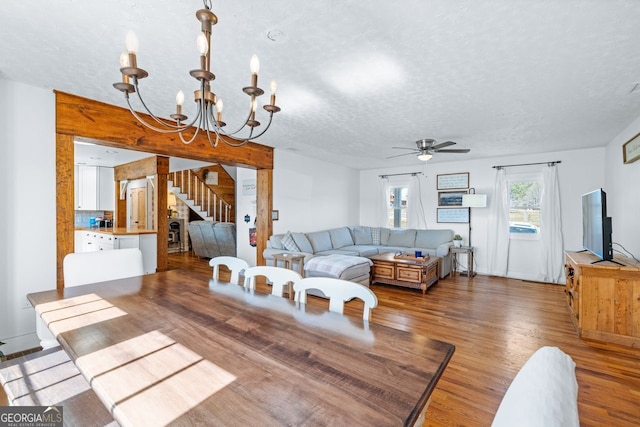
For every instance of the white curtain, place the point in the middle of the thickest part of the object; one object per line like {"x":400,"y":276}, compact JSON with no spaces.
{"x":551,"y":248}
{"x":382,"y":205}
{"x":415,"y":209}
{"x":498,"y":229}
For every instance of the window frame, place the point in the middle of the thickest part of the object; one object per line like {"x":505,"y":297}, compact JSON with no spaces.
{"x":524,"y":177}
{"x":391,"y":210}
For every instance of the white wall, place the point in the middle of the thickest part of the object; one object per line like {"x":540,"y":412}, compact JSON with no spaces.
{"x":313,"y":195}
{"x":245,"y":205}
{"x":28,"y":234}
{"x":623,"y":193}
{"x":580,"y":171}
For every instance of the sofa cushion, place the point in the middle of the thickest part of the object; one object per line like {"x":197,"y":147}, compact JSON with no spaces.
{"x":362,"y":250}
{"x":320,"y":241}
{"x":340,"y":237}
{"x":404,"y":237}
{"x":433,"y":238}
{"x":225,"y":233}
{"x":302,"y":242}
{"x":362,"y":236}
{"x":384,"y":236}
{"x":376,"y":236}
{"x":288,"y":242}
{"x":337,"y":252}
{"x":275,"y":241}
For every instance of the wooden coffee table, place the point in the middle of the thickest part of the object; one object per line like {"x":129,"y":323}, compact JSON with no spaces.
{"x":408,"y":272}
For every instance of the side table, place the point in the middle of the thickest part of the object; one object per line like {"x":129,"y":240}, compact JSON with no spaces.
{"x":468,"y":251}
{"x":288,"y":260}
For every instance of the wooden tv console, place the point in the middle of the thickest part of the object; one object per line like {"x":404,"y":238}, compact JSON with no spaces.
{"x":604,"y":297}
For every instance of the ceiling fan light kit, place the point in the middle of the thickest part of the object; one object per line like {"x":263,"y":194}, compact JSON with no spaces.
{"x":426,"y":148}
{"x":209,"y":106}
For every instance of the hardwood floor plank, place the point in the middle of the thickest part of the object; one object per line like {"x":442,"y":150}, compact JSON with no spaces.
{"x":496,"y":324}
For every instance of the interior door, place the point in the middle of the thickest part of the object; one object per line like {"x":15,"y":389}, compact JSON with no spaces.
{"x":138,"y":217}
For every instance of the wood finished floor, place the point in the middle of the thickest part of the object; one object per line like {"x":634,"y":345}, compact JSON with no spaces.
{"x":496,"y":324}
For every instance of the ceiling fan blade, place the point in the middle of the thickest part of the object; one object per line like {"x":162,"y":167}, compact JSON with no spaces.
{"x":455,"y":150}
{"x":405,"y":148}
{"x":443,"y":144}
{"x":400,"y":155}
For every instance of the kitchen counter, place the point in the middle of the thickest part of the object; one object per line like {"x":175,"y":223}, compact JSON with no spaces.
{"x":118,"y":231}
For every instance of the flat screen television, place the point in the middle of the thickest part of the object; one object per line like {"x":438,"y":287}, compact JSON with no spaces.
{"x":596,"y":225}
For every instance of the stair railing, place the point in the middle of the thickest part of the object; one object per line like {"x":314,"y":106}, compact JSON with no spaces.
{"x":197,"y":190}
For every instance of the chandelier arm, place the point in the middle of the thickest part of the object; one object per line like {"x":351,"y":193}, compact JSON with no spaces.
{"x":265,"y":129}
{"x":242,"y":142}
{"x":147,"y":125}
{"x":220,"y":131}
{"x":198,"y":128}
{"x":205,"y":123}
{"x":250,"y":135}
{"x":187,"y":142}
{"x":157,"y":119}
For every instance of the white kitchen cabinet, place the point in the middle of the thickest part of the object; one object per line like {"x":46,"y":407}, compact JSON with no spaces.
{"x":91,"y":241}
{"x":149,"y":249}
{"x":126,"y":241}
{"x":106,"y":189}
{"x":105,"y":241}
{"x":95,"y":188}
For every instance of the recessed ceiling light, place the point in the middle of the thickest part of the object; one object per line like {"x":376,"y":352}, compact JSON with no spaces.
{"x":95,"y":158}
{"x":111,"y":152}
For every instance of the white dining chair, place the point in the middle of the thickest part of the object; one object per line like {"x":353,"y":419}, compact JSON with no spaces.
{"x":278,"y":277}
{"x":236,"y":265}
{"x":83,"y":268}
{"x":338,"y":291}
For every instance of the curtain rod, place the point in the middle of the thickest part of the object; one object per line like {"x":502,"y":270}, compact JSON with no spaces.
{"x":528,"y":164}
{"x":398,"y":174}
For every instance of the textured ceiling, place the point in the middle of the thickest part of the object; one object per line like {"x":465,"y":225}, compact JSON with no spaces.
{"x":499,"y":77}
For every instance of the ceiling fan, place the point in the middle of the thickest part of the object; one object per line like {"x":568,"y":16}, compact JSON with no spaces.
{"x":427,"y":147}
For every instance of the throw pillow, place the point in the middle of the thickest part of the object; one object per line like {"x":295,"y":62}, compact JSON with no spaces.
{"x":288,"y":242}
{"x":375,"y":235}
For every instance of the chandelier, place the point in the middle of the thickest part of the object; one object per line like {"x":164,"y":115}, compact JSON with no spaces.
{"x":209,"y":106}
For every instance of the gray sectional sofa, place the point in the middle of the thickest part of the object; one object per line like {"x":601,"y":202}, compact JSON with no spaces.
{"x":365,"y":242}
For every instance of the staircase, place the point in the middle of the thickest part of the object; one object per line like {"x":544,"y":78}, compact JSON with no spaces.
{"x":193,"y":191}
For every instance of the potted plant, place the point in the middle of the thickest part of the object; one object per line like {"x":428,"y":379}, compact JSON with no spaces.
{"x":457,"y":240}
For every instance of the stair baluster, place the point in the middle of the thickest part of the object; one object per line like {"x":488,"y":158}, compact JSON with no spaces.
{"x":193,"y":189}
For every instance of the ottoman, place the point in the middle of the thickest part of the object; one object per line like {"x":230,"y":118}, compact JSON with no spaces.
{"x":345,"y":267}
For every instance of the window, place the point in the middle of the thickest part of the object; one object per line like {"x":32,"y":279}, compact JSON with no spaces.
{"x":524,"y":206}
{"x":398,"y":207}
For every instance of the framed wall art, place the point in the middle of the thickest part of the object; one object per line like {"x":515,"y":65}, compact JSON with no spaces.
{"x":453,"y":181}
{"x":631,"y":150}
{"x":450,"y":198}
{"x":457,"y":215}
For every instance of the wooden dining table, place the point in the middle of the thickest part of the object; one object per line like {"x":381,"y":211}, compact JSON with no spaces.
{"x":182,"y":349}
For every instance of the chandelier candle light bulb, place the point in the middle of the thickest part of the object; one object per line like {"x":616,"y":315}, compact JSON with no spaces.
{"x":124,"y":62}
{"x":219,"y":107}
{"x":273,"y":86}
{"x":254,"y":64}
{"x":132,"y":48}
{"x":203,"y":48}
{"x":179,"y":102}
